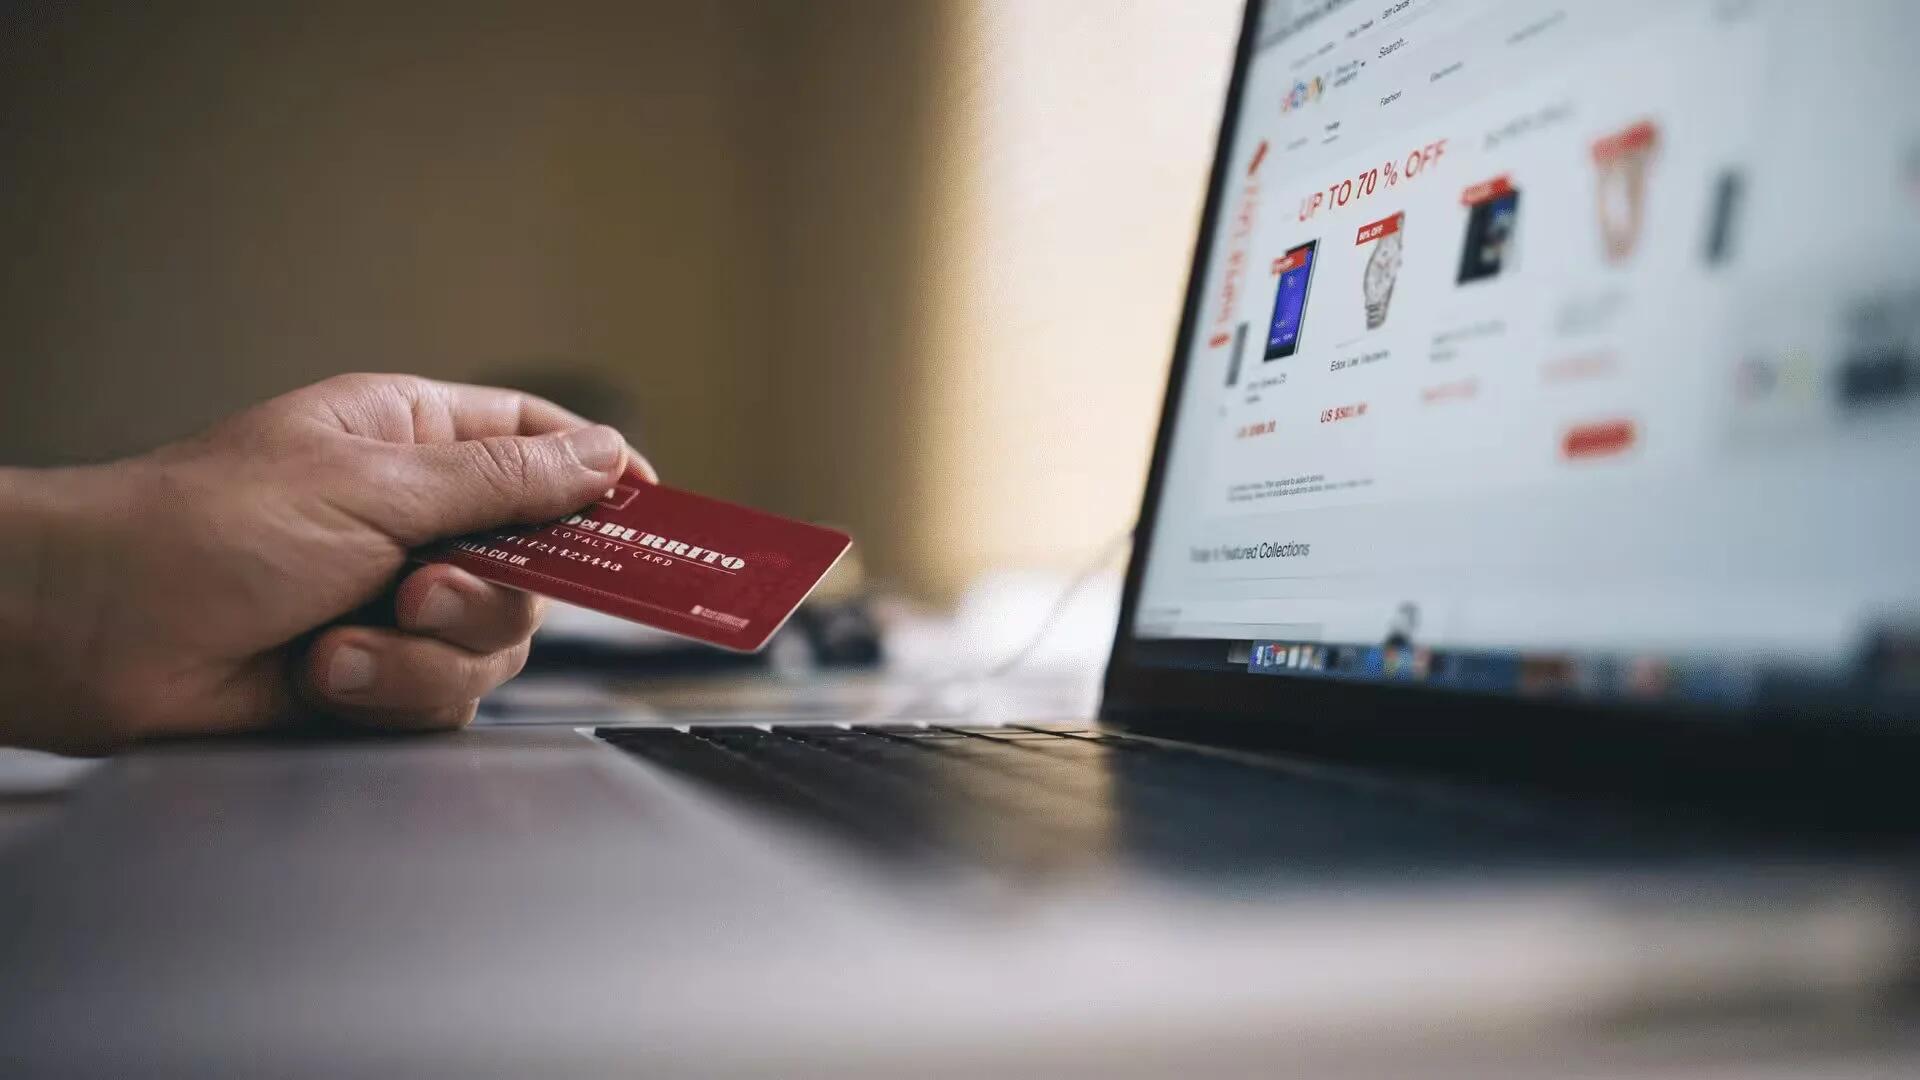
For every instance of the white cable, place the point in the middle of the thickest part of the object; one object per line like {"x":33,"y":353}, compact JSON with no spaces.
{"x":1092,"y":569}
{"x":928,"y":692}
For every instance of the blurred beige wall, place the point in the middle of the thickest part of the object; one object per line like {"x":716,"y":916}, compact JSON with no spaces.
{"x":1067,"y":199}
{"x":911,"y":267}
{"x":206,"y":204}
{"x":986,"y":233}
{"x":854,"y":128}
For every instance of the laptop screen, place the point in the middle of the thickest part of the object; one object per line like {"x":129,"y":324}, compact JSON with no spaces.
{"x":1561,"y":349}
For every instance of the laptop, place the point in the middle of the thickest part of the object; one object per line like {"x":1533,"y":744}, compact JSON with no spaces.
{"x":1518,"y":663}
{"x":1533,"y":421}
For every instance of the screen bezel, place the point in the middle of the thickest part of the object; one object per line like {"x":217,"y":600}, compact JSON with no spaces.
{"x":1421,"y":726}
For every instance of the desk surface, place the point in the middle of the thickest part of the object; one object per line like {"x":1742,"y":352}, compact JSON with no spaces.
{"x":512,"y":902}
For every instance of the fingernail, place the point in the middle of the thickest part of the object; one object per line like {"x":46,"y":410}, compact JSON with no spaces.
{"x":350,"y":671}
{"x":440,"y":609}
{"x":597,"y":447}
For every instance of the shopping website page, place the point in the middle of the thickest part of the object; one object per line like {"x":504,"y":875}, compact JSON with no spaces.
{"x":1562,"y":347}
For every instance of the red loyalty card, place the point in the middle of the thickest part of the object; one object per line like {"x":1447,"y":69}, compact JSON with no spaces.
{"x":680,"y":562}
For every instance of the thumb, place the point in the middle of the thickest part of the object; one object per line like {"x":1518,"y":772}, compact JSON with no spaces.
{"x":462,"y":487}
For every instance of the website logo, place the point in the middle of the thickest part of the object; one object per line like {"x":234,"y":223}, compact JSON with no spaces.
{"x":1304,"y":93}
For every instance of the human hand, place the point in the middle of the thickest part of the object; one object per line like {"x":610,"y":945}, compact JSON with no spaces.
{"x":245,"y":579}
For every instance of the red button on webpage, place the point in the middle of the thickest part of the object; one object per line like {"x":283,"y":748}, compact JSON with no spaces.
{"x":1598,"y":440}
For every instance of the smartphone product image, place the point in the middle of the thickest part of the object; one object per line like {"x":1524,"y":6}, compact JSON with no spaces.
{"x":1295,"y":271}
{"x":1493,"y":214}
{"x":1727,"y":190}
{"x":1239,"y":350}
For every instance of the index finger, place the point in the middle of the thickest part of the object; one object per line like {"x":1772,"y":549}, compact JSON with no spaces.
{"x":481,"y":412}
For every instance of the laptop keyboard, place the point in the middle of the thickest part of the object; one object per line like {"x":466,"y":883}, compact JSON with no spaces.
{"x":1061,"y":799}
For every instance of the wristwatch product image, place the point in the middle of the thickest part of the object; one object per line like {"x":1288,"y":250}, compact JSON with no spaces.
{"x":1383,"y":269}
{"x":1620,"y":195}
